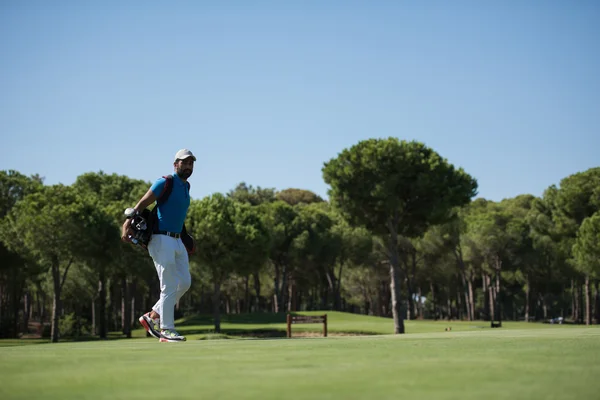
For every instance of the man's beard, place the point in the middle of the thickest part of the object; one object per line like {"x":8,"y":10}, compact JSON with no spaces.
{"x":184,"y":173}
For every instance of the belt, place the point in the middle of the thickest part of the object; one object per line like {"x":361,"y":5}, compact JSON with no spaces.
{"x":171,"y":234}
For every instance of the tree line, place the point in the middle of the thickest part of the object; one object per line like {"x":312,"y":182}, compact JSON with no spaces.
{"x":401,"y":236}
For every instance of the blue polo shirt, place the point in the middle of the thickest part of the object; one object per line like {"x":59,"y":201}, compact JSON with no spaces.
{"x":172,"y":213}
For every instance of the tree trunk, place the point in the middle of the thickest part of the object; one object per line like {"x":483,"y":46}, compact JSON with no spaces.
{"x":542,"y":301}
{"x":102,"y":320}
{"x":292,"y":299}
{"x":419,"y":303}
{"x":337,"y":295}
{"x":580,"y":305}
{"x":465,"y":285}
{"x":257,"y":290}
{"x":280,"y":281}
{"x":276,"y":294}
{"x":93,"y":317}
{"x":527,"y":294}
{"x":588,"y":308}
{"x":57,"y":283}
{"x":284,"y":288}
{"x":459,"y":308}
{"x":56,"y":305}
{"x":16,"y":308}
{"x":38,"y":303}
{"x":597,"y":303}
{"x":410,"y":299}
{"x":331,"y":284}
{"x":563,"y":302}
{"x":384,"y":298}
{"x":492,"y":298}
{"x":573,"y":302}
{"x":471,"y":298}
{"x":26,"y":311}
{"x":42,"y":305}
{"x":132,"y":295}
{"x":486,"y":298}
{"x":2,"y":305}
{"x":216,"y":306}
{"x":126,"y":308}
{"x":396,"y":302}
{"x":395,"y":281}
{"x":115,"y":302}
{"x":434,"y":308}
{"x":497,"y":293}
{"x":247,"y":294}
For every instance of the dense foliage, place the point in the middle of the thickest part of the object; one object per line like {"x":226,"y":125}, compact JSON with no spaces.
{"x":401,"y":236}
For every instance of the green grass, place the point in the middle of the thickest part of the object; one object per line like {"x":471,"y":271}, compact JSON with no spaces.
{"x":21,"y":342}
{"x":274,"y":325}
{"x":541,"y":362}
{"x":271,"y":325}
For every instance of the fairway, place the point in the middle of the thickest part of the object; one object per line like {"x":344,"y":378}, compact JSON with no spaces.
{"x":552,"y":363}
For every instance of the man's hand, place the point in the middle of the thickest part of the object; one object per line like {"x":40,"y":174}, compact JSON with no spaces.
{"x":126,"y":231}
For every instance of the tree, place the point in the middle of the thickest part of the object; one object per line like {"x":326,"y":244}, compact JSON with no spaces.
{"x":552,"y":250}
{"x":394,"y":188}
{"x":451,"y":237}
{"x":15,"y":270}
{"x":577,"y":198}
{"x":283,"y":224}
{"x":521,"y":254}
{"x":254,"y":245}
{"x":109,"y":257}
{"x":294,"y":196}
{"x":52,"y":226}
{"x":227,"y":233}
{"x":313,"y":254}
{"x":586,"y":252}
{"x":355,"y":247}
{"x":251,"y":195}
{"x":498,"y":242}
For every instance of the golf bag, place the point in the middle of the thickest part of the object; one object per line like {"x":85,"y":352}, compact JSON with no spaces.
{"x":145,"y":224}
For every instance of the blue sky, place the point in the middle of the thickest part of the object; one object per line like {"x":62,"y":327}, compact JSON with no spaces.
{"x":267,"y":91}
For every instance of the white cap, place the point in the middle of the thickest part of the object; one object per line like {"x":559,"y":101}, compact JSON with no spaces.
{"x":183,"y":154}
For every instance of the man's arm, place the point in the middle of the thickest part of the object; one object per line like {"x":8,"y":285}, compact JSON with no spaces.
{"x":144,"y":202}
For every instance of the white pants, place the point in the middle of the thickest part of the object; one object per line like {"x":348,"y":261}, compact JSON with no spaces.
{"x":172,"y":266}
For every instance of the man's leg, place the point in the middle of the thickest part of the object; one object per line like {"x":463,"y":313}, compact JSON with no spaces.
{"x":151,"y":320}
{"x":162,"y":249}
{"x":184,"y":279}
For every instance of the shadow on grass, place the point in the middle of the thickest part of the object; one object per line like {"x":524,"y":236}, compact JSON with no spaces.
{"x":238,"y":333}
{"x":22,"y":342}
{"x":272,"y":333}
{"x":87,"y":338}
{"x":202,"y":324}
{"x":253,"y":319}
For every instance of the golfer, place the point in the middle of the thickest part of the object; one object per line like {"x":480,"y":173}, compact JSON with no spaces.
{"x":166,"y":248}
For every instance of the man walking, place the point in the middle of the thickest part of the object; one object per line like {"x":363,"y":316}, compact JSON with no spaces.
{"x":166,"y":248}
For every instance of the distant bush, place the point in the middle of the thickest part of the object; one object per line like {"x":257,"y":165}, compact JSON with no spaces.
{"x":70,"y":326}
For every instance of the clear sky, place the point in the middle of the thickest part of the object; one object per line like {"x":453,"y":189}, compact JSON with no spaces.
{"x":267,"y":91}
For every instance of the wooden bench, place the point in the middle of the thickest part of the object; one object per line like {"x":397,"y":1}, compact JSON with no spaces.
{"x":306,"y":319}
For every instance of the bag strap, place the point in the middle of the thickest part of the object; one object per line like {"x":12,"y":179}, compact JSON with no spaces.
{"x":166,"y":192}
{"x":164,"y":195}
